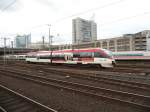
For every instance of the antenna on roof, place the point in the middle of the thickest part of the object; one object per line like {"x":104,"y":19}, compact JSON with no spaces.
{"x":92,"y":18}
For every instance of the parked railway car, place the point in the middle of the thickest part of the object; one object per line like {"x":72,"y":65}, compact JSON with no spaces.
{"x":15,"y":57}
{"x":97,"y":56}
{"x":132,"y":55}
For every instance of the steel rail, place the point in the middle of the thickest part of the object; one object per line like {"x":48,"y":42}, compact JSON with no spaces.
{"x":2,"y":109}
{"x":47,"y":109}
{"x":89,"y":93}
{"x":101,"y":80}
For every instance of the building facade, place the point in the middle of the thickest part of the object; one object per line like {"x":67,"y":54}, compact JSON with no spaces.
{"x":83,"y":31}
{"x":129,"y":42}
{"x":23,"y":41}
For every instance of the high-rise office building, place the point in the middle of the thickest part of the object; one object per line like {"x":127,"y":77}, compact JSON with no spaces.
{"x":83,"y":31}
{"x":23,"y":41}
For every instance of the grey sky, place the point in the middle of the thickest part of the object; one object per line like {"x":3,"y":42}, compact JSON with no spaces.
{"x":113,"y":18}
{"x":10,"y":5}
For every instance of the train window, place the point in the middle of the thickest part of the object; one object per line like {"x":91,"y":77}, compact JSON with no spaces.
{"x":44,"y":57}
{"x":58,"y":57}
{"x":76,"y":55}
{"x":109,"y":53}
{"x":86,"y":54}
{"x":31,"y":56}
{"x":62,"y":57}
{"x":38,"y":57}
{"x":100,"y":55}
{"x":97,"y":54}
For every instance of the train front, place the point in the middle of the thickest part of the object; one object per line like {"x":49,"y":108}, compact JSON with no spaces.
{"x":108,"y":59}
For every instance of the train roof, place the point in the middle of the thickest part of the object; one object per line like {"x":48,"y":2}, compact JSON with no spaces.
{"x":132,"y":53}
{"x":72,"y":50}
{"x":69,"y":50}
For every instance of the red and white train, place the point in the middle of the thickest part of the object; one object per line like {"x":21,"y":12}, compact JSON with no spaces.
{"x":97,"y":56}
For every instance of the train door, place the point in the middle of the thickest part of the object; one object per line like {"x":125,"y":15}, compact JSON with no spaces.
{"x":76,"y":56}
{"x":86,"y":57}
{"x":68,"y":57}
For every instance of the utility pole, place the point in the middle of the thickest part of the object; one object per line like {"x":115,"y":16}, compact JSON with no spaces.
{"x":12,"y":46}
{"x":4,"y":59}
{"x":43,"y":41}
{"x":49,"y":36}
{"x":78,"y":44}
{"x":4,"y":51}
{"x":50,"y":42}
{"x":26,"y":41}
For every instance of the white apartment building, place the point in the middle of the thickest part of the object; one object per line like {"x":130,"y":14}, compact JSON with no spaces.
{"x":83,"y":31}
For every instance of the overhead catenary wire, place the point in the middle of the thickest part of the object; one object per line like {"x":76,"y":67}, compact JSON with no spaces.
{"x":5,"y":8}
{"x":90,"y":10}
{"x":125,"y":18}
{"x":8,"y":6}
{"x":97,"y":8}
{"x":81,"y":13}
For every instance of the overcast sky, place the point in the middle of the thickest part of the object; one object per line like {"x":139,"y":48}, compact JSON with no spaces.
{"x":113,"y":17}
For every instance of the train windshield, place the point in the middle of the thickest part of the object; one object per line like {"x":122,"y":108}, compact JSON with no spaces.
{"x":109,"y":53}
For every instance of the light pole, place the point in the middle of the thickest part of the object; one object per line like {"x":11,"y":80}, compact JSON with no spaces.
{"x":50,"y":42}
{"x":12,"y":46}
{"x":49,"y":35}
{"x":43,"y":41}
{"x":5,"y":39}
{"x":4,"y":51}
{"x":78,"y":43}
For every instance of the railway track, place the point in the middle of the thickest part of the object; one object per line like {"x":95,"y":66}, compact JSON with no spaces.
{"x":11,"y":101}
{"x":107,"y":94}
{"x":122,"y":68}
{"x":137,"y":76}
{"x":95,"y":77}
{"x":133,"y":65}
{"x":104,"y":82}
{"x":119,"y":91}
{"x":118,"y":69}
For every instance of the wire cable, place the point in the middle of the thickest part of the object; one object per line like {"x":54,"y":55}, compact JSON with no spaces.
{"x":9,"y":5}
{"x":126,"y":18}
{"x":90,"y":10}
{"x":81,"y":13}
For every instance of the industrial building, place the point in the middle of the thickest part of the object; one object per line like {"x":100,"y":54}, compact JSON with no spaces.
{"x":83,"y":31}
